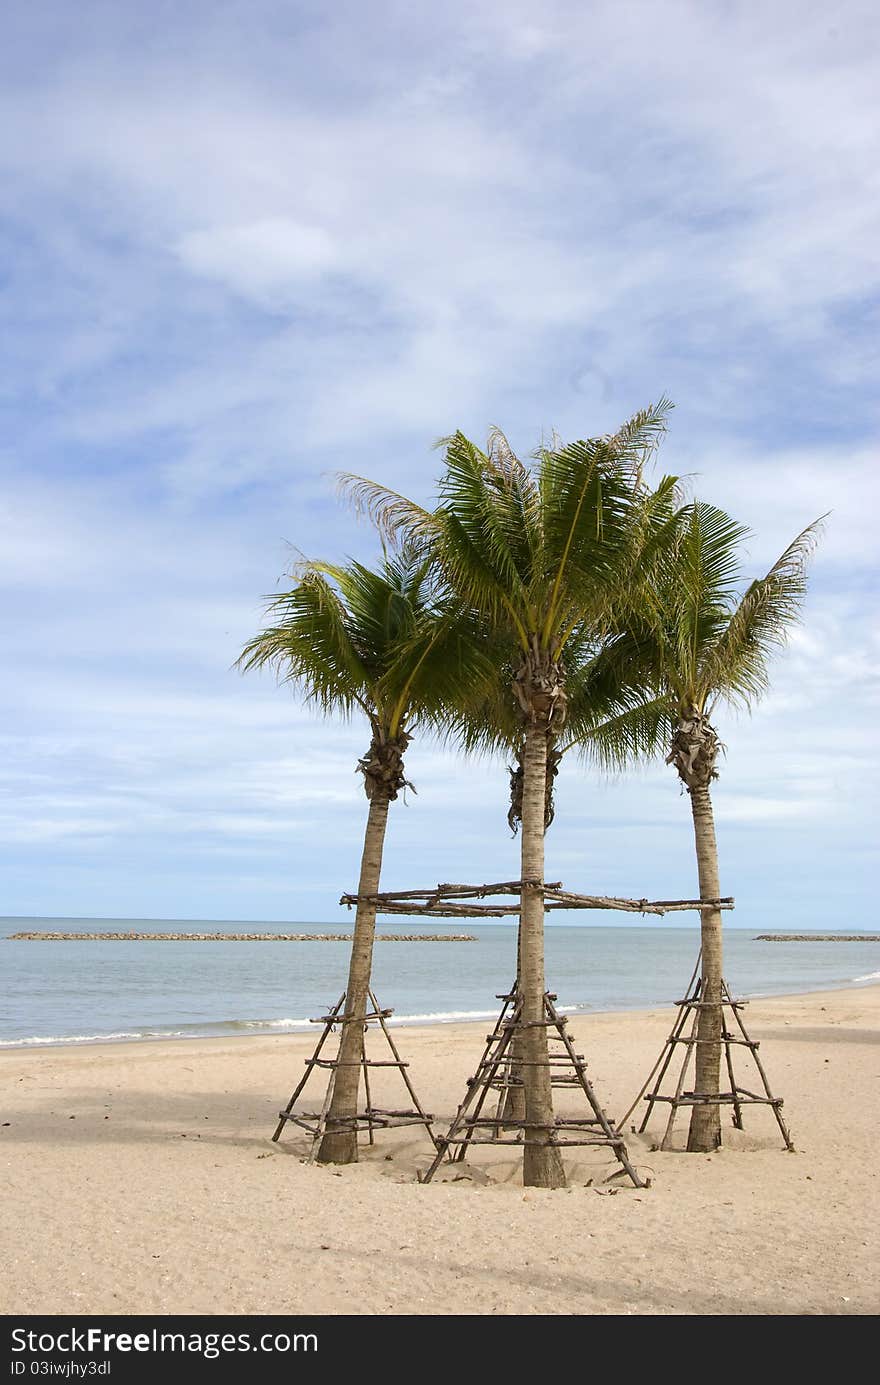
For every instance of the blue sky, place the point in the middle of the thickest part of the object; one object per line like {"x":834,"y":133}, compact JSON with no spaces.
{"x":244,"y":246}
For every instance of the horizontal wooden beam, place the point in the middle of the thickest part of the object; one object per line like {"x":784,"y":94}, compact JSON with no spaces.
{"x":451,"y":901}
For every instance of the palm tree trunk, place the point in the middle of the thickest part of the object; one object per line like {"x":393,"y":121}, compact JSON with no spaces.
{"x":339,"y":1146}
{"x":542,"y":1162}
{"x":513,"y":1106}
{"x":705,"y":1128}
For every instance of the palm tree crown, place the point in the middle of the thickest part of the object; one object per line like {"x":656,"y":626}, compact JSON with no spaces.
{"x":383,"y":642}
{"x":701,"y":637}
{"x":543,"y":552}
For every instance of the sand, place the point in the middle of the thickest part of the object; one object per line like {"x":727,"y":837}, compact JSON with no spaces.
{"x":140,"y":1178}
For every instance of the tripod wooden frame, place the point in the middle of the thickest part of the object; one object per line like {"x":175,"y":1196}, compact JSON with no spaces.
{"x":371,"y":1117}
{"x":496,"y":1072}
{"x":737,"y":1096}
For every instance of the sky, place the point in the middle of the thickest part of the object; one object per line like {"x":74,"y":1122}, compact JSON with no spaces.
{"x":245,"y":246}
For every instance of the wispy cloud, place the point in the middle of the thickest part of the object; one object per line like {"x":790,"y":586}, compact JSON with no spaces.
{"x":247,"y":245}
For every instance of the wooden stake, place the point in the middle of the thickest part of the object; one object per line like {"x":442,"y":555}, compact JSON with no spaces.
{"x":310,"y":1062}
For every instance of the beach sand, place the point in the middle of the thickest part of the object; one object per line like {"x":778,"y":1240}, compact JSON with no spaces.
{"x":141,"y":1178}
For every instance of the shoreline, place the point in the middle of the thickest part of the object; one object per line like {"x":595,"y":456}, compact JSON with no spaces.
{"x":403,"y":1024}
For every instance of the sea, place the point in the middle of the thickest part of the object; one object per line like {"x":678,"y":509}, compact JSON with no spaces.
{"x":81,"y":992}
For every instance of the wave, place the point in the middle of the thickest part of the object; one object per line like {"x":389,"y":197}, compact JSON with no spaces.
{"x":871,"y":976}
{"x":428,"y":1017}
{"x":227,"y":1025}
{"x":35,"y":1040}
{"x":221,"y":1028}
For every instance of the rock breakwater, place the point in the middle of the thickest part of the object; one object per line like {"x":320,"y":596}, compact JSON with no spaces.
{"x":136,"y":937}
{"x":818,"y":938}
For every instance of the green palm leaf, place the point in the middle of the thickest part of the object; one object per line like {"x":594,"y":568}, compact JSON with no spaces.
{"x":349,"y":636}
{"x":735,"y":667}
{"x":312,"y":644}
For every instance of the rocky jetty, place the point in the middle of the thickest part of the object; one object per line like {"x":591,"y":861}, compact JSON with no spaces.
{"x":817,"y":938}
{"x":135,"y":937}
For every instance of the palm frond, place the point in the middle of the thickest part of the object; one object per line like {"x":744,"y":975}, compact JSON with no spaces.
{"x":646,"y":559}
{"x":397,"y":519}
{"x":735,"y":668}
{"x":574,"y":484}
{"x":348,"y":635}
{"x":481,"y":516}
{"x":701,"y":586}
{"x":590,"y":492}
{"x":503,"y":459}
{"x":608,"y":680}
{"x":637,"y":734}
{"x":522,"y":518}
{"x":310,"y":644}
{"x":637,"y":440}
{"x":487,"y":719}
{"x":545,"y":554}
{"x":443,"y":673}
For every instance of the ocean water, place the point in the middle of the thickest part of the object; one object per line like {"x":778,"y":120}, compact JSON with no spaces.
{"x":81,"y":992}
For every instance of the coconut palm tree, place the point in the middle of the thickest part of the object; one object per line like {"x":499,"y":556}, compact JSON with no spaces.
{"x":541,"y":554}
{"x":383,"y":644}
{"x":598,"y":688}
{"x":701,"y":640}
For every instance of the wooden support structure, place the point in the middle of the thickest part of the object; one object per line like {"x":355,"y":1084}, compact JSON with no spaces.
{"x":458,"y":901}
{"x":684,"y":1033}
{"x":372,"y":1117}
{"x":497,"y":1072}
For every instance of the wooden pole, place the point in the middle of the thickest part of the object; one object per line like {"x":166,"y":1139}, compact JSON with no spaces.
{"x":689,"y":1048}
{"x":666,"y":1051}
{"x":473,"y":1086}
{"x":403,"y":1072}
{"x":366,"y":1071}
{"x":438,"y":902}
{"x":614,"y":1137}
{"x":775,"y":1102}
{"x":310,"y":1064}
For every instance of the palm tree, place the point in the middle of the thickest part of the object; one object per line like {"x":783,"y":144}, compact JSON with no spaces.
{"x":382,"y":643}
{"x":599,"y":686}
{"x":701,"y":640}
{"x":541,"y":555}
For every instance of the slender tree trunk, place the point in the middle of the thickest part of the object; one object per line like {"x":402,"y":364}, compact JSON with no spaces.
{"x":513,"y":1107}
{"x":705,"y":1127}
{"x":694,"y":752}
{"x":339,"y":1146}
{"x":542,"y":1162}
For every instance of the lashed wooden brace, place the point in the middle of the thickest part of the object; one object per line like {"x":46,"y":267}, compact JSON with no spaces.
{"x":449,"y":901}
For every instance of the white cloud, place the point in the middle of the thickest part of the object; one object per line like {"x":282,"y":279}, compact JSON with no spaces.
{"x":755,"y":810}
{"x":779,"y":491}
{"x":475,"y":227}
{"x":260,"y":258}
{"x":268,"y":250}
